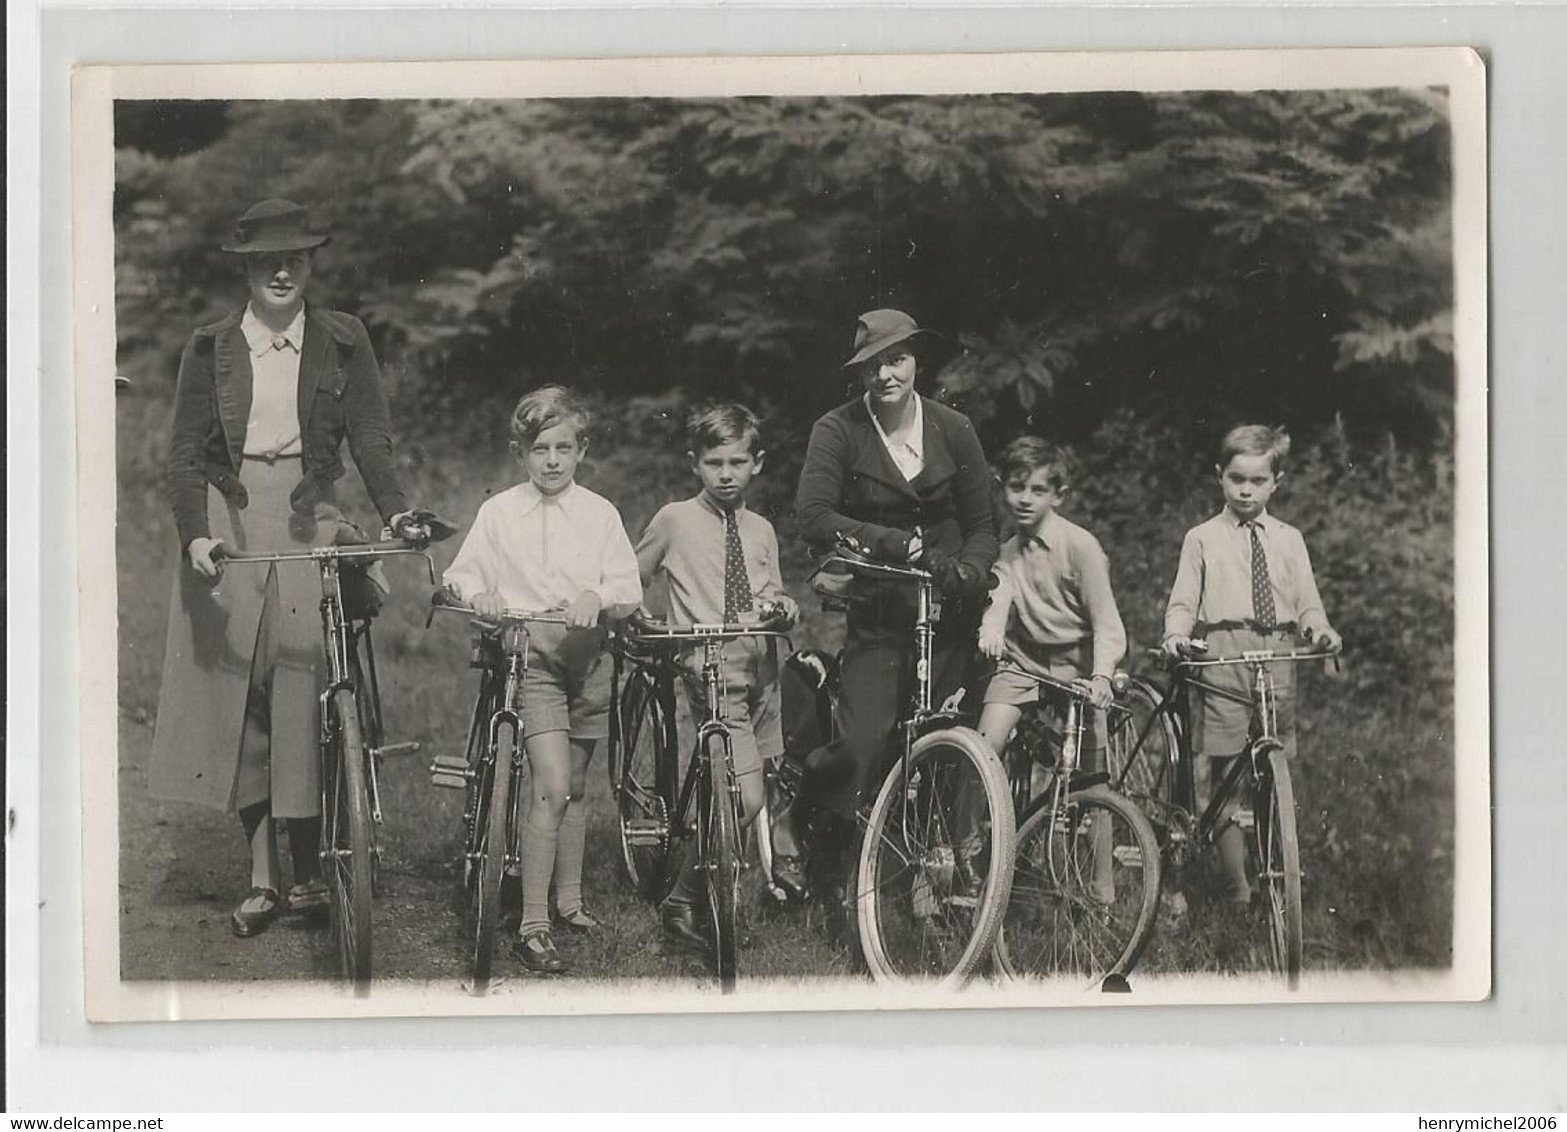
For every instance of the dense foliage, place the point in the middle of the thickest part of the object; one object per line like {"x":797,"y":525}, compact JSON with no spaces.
{"x":1193,"y":256}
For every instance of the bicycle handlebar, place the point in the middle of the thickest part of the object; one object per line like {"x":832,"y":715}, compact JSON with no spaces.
{"x":442,"y":602}
{"x":1030,"y":668}
{"x":650,"y":630}
{"x":349,"y":552}
{"x":1197,"y":656}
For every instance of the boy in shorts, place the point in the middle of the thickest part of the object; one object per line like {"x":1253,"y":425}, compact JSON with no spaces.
{"x":1244,"y":583}
{"x":551,"y":544}
{"x":1053,"y":603}
{"x":718,"y":562}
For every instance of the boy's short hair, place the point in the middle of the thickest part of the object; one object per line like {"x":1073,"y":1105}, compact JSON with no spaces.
{"x":729,"y":423}
{"x":544,"y":408}
{"x":1256,"y":440}
{"x":1028,"y":454}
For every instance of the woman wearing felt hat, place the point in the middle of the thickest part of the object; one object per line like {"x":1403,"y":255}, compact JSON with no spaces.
{"x":264,"y":400}
{"x":906,"y":477}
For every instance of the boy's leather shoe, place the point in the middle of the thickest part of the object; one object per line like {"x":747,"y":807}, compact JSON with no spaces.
{"x":682,"y":925}
{"x":254,"y":912}
{"x":579,"y":921}
{"x":536,"y":951}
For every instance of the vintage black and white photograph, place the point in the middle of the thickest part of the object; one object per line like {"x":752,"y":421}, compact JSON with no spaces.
{"x":785,"y":534}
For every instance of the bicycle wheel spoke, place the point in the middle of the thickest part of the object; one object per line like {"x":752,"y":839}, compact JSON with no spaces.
{"x":1084,"y":889}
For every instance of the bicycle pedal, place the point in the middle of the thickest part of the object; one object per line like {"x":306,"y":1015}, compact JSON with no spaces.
{"x":449,"y":771}
{"x":391,"y":750}
{"x":1244,"y":819}
{"x":643,"y":831}
{"x":1127,"y":856}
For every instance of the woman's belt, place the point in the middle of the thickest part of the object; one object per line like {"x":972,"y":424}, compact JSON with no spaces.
{"x":273,"y":457}
{"x":1286,"y":628}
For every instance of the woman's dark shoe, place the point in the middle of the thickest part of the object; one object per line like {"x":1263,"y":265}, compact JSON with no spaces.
{"x":255,"y":912}
{"x":579,"y":921}
{"x":536,"y":951}
{"x":310,"y":896}
{"x":682,"y":925}
{"x":789,"y":875}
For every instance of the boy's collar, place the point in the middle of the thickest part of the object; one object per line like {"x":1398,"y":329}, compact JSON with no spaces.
{"x":703,"y":499}
{"x":1263,"y":519}
{"x":532,"y":496}
{"x":1043,"y":534}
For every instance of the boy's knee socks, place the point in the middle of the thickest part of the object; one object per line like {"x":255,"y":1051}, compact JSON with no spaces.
{"x":538,"y":863}
{"x":569,"y":852}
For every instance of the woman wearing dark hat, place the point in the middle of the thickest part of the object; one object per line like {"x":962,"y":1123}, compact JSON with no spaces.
{"x":264,"y":400}
{"x":906,"y":477}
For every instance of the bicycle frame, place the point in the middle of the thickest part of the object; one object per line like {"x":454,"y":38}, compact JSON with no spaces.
{"x":511,"y":675}
{"x":1262,"y":699}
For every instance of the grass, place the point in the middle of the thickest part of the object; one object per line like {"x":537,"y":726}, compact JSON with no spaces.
{"x":1375,"y":777}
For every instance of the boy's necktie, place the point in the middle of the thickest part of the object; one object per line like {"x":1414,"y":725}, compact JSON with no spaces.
{"x":1261,"y":585}
{"x":737,"y":583}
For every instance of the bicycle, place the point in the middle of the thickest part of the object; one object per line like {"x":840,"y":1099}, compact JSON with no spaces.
{"x":656,"y":813}
{"x":352,"y":749}
{"x":495,"y":734}
{"x":1085,"y":887}
{"x":930,"y":878}
{"x":1152,"y":762}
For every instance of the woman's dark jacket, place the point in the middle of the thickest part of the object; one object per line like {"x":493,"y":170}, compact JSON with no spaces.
{"x":339,"y":392}
{"x":849,"y":485}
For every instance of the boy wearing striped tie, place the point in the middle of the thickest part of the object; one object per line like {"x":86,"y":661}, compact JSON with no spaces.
{"x":717,"y":561}
{"x":1244,"y":582}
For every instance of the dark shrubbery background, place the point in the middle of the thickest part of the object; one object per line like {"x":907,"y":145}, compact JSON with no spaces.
{"x":1127,"y":273}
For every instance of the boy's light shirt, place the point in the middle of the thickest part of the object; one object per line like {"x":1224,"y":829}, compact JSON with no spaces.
{"x":1213,"y":581}
{"x":1057,"y":581}
{"x":273,"y":427}
{"x":908,"y":455}
{"x":543,"y":552}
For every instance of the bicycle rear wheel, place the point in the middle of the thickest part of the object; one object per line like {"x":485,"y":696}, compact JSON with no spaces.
{"x":492,"y":825}
{"x":935,"y":865}
{"x":1140,"y":754}
{"x":1276,"y":852}
{"x":643,"y":790}
{"x":1085,"y":890}
{"x":718,"y":842}
{"x":346,"y":848}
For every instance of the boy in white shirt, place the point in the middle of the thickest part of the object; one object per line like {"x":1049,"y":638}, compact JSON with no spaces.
{"x":547,"y":544}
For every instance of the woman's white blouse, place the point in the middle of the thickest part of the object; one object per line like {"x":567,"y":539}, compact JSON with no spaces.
{"x":273,"y":426}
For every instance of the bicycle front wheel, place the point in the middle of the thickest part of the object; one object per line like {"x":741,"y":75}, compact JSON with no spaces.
{"x":935,"y":866}
{"x":643,"y":788}
{"x":346,"y":846}
{"x":718,"y":842}
{"x":1140,"y":753}
{"x":491,"y":840}
{"x":1276,"y":852}
{"x":1085,"y":890}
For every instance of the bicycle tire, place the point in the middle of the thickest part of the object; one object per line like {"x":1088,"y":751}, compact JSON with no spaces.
{"x":1277,"y":850}
{"x":493,"y":826}
{"x":642,"y":802}
{"x":718,"y":843}
{"x":1140,"y":754}
{"x":927,"y":897}
{"x":1055,"y":923}
{"x":346,"y":852}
